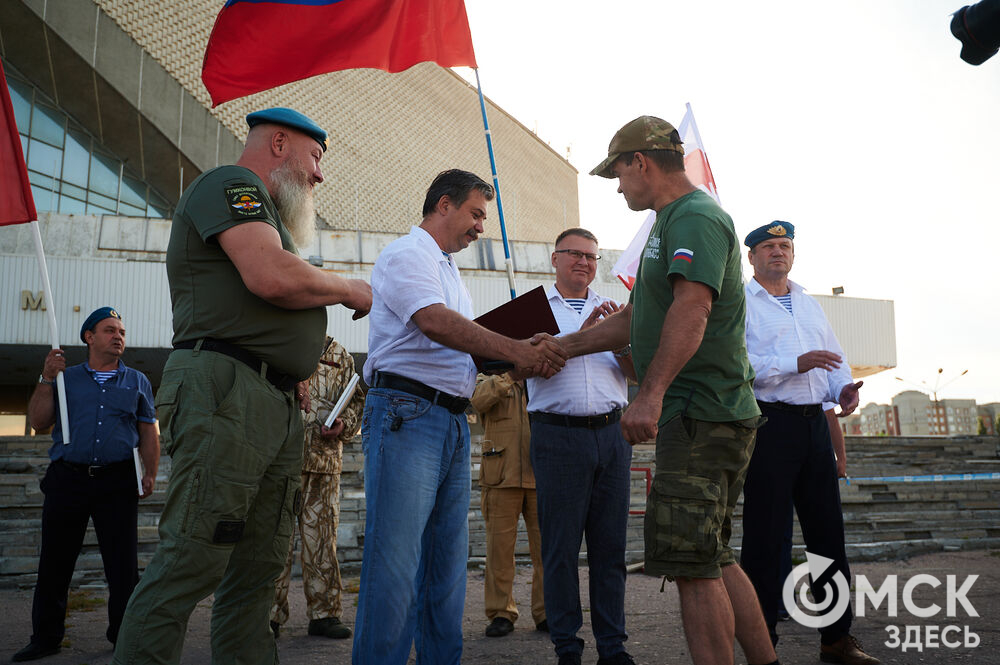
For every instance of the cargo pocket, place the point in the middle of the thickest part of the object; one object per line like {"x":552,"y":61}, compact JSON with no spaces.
{"x":166,"y":408}
{"x":291,"y":505}
{"x":491,"y":468}
{"x":682,"y":519}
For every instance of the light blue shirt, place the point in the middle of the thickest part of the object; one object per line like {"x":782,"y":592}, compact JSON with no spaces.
{"x":775,"y":340}
{"x":588,"y":385}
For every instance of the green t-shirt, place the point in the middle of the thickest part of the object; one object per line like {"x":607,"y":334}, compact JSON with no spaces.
{"x":208,"y":295}
{"x":694,"y":238}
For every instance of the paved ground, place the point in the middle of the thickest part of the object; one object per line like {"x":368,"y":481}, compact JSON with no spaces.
{"x":653,"y":623}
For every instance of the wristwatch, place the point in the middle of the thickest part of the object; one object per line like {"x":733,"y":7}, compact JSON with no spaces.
{"x":624,"y":352}
{"x":42,"y":379}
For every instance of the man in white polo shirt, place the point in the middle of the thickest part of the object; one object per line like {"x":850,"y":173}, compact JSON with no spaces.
{"x":581,"y":463}
{"x":415,"y":436}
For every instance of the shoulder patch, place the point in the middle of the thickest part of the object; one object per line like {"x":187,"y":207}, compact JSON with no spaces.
{"x":244,"y":201}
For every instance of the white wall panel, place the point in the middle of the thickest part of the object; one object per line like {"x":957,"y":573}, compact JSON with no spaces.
{"x":866,"y":328}
{"x":137,"y":289}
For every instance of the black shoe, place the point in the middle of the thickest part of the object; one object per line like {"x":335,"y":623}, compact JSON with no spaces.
{"x":572,"y":658}
{"x":620,"y":658}
{"x":276,"y":629}
{"x":542,"y":626}
{"x":329,"y":627}
{"x":499,"y":627}
{"x":34,"y":651}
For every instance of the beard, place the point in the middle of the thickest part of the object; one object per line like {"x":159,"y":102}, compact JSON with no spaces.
{"x":293,"y":196}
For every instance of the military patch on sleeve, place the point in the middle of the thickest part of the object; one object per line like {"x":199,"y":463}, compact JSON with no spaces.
{"x":244,"y":201}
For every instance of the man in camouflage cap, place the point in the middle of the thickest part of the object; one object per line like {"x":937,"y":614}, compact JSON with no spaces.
{"x":685,"y":321}
{"x":319,"y":514}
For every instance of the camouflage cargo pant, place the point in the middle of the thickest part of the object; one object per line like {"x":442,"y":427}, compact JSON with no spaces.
{"x":700,"y":468}
{"x":318,"y":521}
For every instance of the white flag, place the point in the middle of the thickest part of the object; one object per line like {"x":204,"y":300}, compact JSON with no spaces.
{"x":698,"y":172}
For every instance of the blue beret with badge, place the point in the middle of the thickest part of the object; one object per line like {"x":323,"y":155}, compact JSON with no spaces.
{"x":280,"y":115}
{"x":776,"y":229}
{"x":96,"y":317}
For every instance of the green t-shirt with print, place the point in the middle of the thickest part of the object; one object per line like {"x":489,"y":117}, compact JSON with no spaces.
{"x":695,"y":239}
{"x":208,"y":295}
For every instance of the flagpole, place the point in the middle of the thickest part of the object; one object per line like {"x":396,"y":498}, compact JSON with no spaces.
{"x":50,"y":311}
{"x":496,"y":187}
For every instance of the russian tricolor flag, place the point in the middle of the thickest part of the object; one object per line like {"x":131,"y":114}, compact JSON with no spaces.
{"x":684,"y":254}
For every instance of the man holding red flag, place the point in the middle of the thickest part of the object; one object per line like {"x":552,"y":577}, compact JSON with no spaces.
{"x":249,"y":328}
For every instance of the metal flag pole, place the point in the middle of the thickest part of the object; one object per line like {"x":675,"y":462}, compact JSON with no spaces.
{"x":50,"y":311}
{"x":496,"y":187}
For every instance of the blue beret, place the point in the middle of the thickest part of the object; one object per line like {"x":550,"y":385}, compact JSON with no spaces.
{"x":96,"y":317}
{"x":289,"y":118}
{"x":776,"y":229}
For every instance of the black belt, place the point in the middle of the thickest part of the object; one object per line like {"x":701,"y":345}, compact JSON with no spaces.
{"x":590,"y":422}
{"x":804,"y":410}
{"x":395,"y":382}
{"x":279,"y":380}
{"x":93,"y":470}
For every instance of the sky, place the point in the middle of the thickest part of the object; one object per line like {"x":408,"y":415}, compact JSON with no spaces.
{"x":856,"y":121}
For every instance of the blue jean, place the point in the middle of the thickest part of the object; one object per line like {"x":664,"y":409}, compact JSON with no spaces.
{"x":582,"y":483}
{"x":416,"y":547}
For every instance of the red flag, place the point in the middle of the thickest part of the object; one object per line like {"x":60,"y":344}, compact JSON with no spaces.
{"x":698,"y":172}
{"x":260,"y":44}
{"x":17,"y":206}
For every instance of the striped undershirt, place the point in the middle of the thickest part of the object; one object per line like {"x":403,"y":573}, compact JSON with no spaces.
{"x":101,"y":377}
{"x":786,"y":300}
{"x":576,"y":303}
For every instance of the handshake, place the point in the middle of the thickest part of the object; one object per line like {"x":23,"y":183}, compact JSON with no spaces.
{"x":542,"y":356}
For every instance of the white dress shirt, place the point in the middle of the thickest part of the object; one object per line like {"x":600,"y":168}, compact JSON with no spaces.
{"x":412,"y":273}
{"x":588,"y":385}
{"x":776,"y":339}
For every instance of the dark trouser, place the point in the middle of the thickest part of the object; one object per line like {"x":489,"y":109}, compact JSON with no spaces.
{"x":582,"y":482}
{"x":72,"y":498}
{"x":793,"y":463}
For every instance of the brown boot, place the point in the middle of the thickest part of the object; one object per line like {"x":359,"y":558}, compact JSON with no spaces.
{"x":846,"y":650}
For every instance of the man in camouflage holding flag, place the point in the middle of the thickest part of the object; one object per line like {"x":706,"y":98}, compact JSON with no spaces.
{"x":319,"y":514}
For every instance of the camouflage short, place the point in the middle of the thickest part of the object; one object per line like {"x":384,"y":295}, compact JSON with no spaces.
{"x":700,"y":467}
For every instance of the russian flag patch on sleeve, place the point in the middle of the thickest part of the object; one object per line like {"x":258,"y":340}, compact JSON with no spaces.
{"x":684,"y":254}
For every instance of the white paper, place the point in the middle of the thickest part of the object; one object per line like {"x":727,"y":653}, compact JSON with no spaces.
{"x":345,"y":397}
{"x":138,"y":469}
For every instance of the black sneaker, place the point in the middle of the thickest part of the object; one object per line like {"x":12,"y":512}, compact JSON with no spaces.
{"x":572,"y":658}
{"x":499,"y":627}
{"x":34,"y":651}
{"x":542,"y":626}
{"x":620,"y":658}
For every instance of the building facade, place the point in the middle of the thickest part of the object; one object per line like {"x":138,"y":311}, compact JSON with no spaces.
{"x":879,"y":420}
{"x":115,"y":123}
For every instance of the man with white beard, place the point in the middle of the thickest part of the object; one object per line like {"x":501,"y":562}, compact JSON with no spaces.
{"x":249,"y":328}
